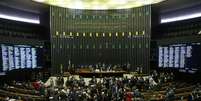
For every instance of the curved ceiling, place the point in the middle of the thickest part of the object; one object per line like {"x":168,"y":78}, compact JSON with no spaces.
{"x":175,"y":5}
{"x":25,"y":5}
{"x":99,"y":4}
{"x":163,"y":7}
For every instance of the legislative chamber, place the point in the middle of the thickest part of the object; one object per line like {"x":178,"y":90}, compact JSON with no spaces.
{"x":100,"y":50}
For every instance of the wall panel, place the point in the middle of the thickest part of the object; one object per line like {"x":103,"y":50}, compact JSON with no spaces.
{"x":108,"y":36}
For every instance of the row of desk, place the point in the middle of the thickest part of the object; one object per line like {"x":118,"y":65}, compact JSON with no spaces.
{"x":101,"y":74}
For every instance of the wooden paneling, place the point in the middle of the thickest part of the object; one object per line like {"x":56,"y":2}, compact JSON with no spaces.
{"x":112,"y":37}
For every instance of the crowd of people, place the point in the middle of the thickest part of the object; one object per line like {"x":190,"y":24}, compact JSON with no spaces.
{"x":196,"y":93}
{"x":107,"y":88}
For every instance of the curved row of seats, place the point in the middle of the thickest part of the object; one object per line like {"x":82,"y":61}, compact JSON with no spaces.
{"x":15,"y":91}
{"x":182,"y":90}
{"x":23,"y":91}
{"x":24,"y":94}
{"x":5,"y":99}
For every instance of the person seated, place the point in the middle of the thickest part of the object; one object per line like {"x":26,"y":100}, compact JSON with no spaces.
{"x":196,"y":93}
{"x":137,"y":70}
{"x":128,"y":66}
{"x":51,"y":82}
{"x":190,"y":97}
{"x":109,"y":67}
{"x":146,"y":84}
{"x":125,"y":80}
{"x":141,"y":70}
{"x":60,"y":81}
{"x":42,"y":90}
{"x":128,"y":96}
{"x":37,"y":85}
{"x":81,"y":82}
{"x":170,"y":95}
{"x":62,"y":95}
{"x":114,"y":68}
{"x":137,"y":94}
{"x":103,"y":67}
{"x":141,"y":83}
{"x":93,"y":81}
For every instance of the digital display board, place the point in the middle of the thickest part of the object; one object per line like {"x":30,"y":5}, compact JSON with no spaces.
{"x":20,"y":57}
{"x":180,"y":56}
{"x":17,"y":57}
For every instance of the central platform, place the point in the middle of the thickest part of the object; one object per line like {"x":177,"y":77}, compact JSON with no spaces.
{"x":101,"y":74}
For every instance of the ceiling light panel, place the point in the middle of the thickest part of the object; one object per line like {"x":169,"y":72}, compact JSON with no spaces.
{"x":99,"y":4}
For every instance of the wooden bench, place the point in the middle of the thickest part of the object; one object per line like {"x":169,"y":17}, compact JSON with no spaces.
{"x":4,"y":99}
{"x":21,"y":90}
{"x":160,"y":95}
{"x":23,"y":96}
{"x":22,"y":86}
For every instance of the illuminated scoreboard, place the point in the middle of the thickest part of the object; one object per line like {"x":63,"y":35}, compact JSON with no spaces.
{"x":171,"y":57}
{"x":5,"y":60}
{"x":180,"y":56}
{"x":176,"y":57}
{"x":19,"y":57}
{"x":160,"y":59}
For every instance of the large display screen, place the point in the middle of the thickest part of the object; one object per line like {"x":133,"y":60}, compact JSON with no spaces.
{"x":184,"y":57}
{"x":20,"y":57}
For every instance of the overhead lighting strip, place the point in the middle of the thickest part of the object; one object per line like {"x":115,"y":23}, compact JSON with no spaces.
{"x":21,"y":19}
{"x":180,"y":18}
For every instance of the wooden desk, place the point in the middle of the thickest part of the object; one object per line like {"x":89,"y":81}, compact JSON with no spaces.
{"x":101,"y":73}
